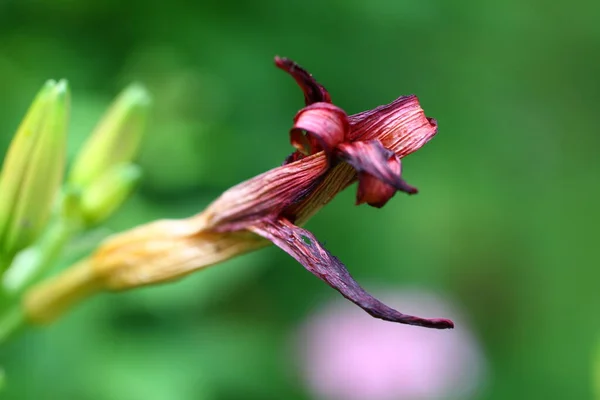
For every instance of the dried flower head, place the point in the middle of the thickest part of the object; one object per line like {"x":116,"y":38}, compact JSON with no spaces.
{"x":333,"y":150}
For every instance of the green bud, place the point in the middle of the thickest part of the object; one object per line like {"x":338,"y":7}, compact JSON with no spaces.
{"x":33,"y":169}
{"x":116,"y":138}
{"x":108,"y":192}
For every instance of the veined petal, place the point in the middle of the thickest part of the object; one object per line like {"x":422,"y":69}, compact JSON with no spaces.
{"x":266,"y":195}
{"x":378,"y":171}
{"x":325,"y":125}
{"x":306,"y":249}
{"x":400,"y":126}
{"x":314,"y":92}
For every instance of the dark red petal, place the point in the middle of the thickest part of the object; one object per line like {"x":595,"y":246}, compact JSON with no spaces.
{"x":325,"y":125}
{"x":313,"y":91}
{"x":373,"y":191}
{"x":374,"y":162}
{"x":266,"y":195}
{"x":306,"y":249}
{"x":400,"y":126}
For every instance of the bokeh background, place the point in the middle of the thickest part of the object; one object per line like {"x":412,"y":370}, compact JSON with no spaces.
{"x":505,"y":228}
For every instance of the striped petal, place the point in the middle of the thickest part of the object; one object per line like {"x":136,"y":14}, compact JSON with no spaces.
{"x":306,"y":249}
{"x":378,"y":171}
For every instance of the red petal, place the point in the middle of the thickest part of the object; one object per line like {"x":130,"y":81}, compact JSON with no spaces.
{"x":378,"y":171}
{"x":372,"y":191}
{"x":400,"y":126}
{"x":325,"y":125}
{"x":265,"y":195}
{"x":306,"y":249}
{"x":313,"y":91}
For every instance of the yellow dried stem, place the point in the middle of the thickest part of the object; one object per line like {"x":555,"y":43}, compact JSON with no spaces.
{"x":157,"y":252}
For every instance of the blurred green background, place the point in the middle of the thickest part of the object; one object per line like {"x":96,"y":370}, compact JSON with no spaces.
{"x":505,"y":224}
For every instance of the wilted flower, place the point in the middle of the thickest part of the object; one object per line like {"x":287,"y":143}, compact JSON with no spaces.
{"x":333,"y":151}
{"x":345,"y":356}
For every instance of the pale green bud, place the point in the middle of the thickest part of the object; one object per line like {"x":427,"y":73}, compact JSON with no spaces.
{"x":116,"y":138}
{"x":33,"y":169}
{"x":108,"y":192}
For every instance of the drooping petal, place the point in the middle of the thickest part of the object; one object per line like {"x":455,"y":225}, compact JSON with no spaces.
{"x":378,"y":171}
{"x":373,"y":191}
{"x":314,"y":92}
{"x":400,"y":126}
{"x":319,"y":126}
{"x":306,"y":249}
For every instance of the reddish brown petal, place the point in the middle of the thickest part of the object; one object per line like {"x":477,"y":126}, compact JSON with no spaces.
{"x":372,"y":191}
{"x":378,"y":171}
{"x":325,"y":125}
{"x":265,"y":195}
{"x":313,"y":91}
{"x":400,"y":126}
{"x":306,"y":249}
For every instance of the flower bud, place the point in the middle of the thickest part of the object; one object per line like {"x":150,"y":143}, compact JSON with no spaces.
{"x":105,"y":194}
{"x":116,"y":138}
{"x":33,"y":169}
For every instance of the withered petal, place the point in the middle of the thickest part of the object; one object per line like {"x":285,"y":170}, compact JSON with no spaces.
{"x":400,"y":126}
{"x":314,"y":92}
{"x":265,"y":195}
{"x":374,"y":163}
{"x":373,"y":191}
{"x":325,"y":125}
{"x":306,"y":249}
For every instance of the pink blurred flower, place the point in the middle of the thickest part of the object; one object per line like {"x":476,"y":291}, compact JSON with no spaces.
{"x":345,"y":355}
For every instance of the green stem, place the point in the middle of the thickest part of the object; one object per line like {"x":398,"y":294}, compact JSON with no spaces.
{"x":10,"y":322}
{"x":27,"y":268}
{"x":33,"y":262}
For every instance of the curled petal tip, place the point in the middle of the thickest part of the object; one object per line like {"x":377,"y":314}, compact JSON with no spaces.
{"x":379,"y":172}
{"x":314,"y":92}
{"x":325,"y":125}
{"x":281,"y":62}
{"x":406,"y":188}
{"x":287,"y":65}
